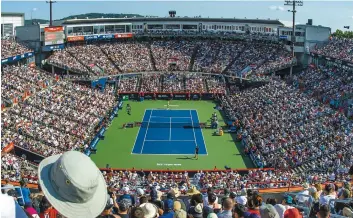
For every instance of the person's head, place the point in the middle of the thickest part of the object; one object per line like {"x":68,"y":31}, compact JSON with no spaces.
{"x":255,"y":201}
{"x":143,"y":199}
{"x":324,"y":212}
{"x":271,"y":201}
{"x":268,"y":211}
{"x":150,"y":210}
{"x":23,"y":183}
{"x":71,"y":182}
{"x":196,"y":199}
{"x":168,"y":205}
{"x":44,"y":204}
{"x":124,"y":206}
{"x":287,"y":200}
{"x":228,"y":204}
{"x":329,"y":188}
{"x":137,"y":212}
{"x":212,"y":198}
{"x":226,"y":192}
{"x":292,"y":213}
{"x":344,"y":194}
{"x":239,"y":211}
{"x":209,"y":189}
{"x":318,"y":187}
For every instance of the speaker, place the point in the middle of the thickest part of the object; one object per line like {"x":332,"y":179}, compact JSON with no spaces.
{"x":310,"y":21}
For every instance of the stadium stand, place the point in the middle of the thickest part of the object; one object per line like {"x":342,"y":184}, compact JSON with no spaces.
{"x":298,"y":134}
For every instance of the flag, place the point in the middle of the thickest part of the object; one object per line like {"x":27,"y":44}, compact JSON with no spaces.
{"x":346,"y":27}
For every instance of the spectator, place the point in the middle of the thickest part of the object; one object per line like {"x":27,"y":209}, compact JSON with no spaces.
{"x":196,"y":206}
{"x":25,"y":193}
{"x":30,"y":210}
{"x":149,"y":210}
{"x":81,"y":185}
{"x":168,"y":209}
{"x":292,"y":213}
{"x":324,"y":212}
{"x":227,"y":209}
{"x":47,"y":210}
{"x":178,"y":211}
{"x":286,"y":204}
{"x":127,"y":197}
{"x":268,"y":211}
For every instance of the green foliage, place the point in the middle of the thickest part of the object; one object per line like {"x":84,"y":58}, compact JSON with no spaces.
{"x":345,"y":34}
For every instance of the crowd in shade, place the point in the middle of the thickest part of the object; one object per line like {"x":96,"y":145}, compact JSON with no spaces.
{"x":170,"y":82}
{"x":282,"y":127}
{"x":208,"y":56}
{"x":65,"y":59}
{"x":17,"y":80}
{"x":10,"y":48}
{"x":129,"y":56}
{"x":330,"y":85}
{"x":149,"y":195}
{"x":339,"y":48}
{"x":166,"y":53}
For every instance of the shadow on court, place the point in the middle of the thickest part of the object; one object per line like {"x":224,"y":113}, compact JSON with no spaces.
{"x":185,"y":158}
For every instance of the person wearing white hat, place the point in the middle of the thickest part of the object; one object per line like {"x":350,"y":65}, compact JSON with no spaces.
{"x":73,"y":185}
{"x":150,"y":210}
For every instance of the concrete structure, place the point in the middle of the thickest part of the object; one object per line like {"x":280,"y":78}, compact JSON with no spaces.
{"x":84,"y":27}
{"x":306,"y":38}
{"x":9,"y":21}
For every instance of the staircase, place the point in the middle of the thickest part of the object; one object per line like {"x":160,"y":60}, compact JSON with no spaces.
{"x":87,"y":67}
{"x":111,"y":60}
{"x":153,"y":62}
{"x":233,"y":60}
{"x":193,"y":56}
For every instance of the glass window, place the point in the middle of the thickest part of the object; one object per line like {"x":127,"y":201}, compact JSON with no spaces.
{"x":77,"y":30}
{"x":69,"y":30}
{"x":101,"y":29}
{"x":119,"y":29}
{"x":88,"y":29}
{"x":96,"y":29}
{"x":109,"y":29}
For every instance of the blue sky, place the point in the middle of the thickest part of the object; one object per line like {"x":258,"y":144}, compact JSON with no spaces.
{"x":334,"y":14}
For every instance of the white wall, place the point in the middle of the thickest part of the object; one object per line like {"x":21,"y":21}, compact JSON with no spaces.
{"x":15,"y":20}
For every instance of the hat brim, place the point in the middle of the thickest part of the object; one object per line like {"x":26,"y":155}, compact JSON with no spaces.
{"x":89,"y":209}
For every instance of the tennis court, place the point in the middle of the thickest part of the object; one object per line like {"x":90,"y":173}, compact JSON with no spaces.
{"x":169,"y":132}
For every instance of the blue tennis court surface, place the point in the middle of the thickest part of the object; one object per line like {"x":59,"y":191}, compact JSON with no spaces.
{"x":169,"y":132}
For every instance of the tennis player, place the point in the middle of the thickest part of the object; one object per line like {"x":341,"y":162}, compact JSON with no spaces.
{"x":128,"y":109}
{"x":168,"y":105}
{"x":197,"y":152}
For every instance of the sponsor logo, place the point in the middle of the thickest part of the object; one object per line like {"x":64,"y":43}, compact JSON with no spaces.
{"x":75,"y":38}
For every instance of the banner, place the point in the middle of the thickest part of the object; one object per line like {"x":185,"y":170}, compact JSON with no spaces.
{"x":167,"y":96}
{"x":53,"y":47}
{"x":8,"y":148}
{"x":125,"y":97}
{"x":75,"y":38}
{"x":17,"y":58}
{"x":54,"y":29}
{"x":123,"y":35}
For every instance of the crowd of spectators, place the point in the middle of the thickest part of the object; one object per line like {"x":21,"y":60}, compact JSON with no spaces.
{"x":129,"y":56}
{"x":339,"y":48}
{"x":169,"y":52}
{"x":173,"y":82}
{"x":64,"y":58}
{"x":209,"y":56}
{"x":10,"y":48}
{"x":283,"y":128}
{"x":129,"y":84}
{"x":166,"y":195}
{"x":330,"y":85}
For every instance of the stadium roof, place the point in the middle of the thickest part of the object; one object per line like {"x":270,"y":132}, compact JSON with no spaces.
{"x":12,"y":14}
{"x":185,"y":19}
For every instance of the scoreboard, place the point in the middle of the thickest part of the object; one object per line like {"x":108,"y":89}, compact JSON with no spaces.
{"x":54,"y":35}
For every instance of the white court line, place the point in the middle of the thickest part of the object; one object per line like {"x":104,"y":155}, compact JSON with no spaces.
{"x":167,"y":122}
{"x":171,"y":154}
{"x":143,"y":144}
{"x":204,"y":142}
{"x":192,"y":121}
{"x":170,"y":130}
{"x":168,"y":117}
{"x":138,"y":133}
{"x":169,"y":140}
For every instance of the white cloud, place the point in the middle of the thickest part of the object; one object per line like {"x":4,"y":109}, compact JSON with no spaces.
{"x":287,"y":23}
{"x":276,"y":8}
